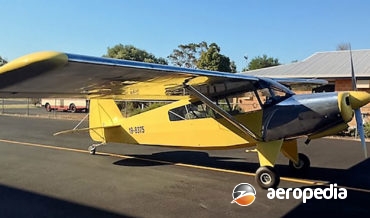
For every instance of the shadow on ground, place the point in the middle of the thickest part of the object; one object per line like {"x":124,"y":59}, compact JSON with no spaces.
{"x":356,"y":176}
{"x":356,"y":179}
{"x":20,"y":203}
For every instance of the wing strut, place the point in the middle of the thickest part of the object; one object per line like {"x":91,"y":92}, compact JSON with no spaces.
{"x":228,"y":117}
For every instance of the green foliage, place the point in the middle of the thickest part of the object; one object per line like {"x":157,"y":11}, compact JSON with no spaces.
{"x":343,"y":46}
{"x":262,"y":62}
{"x":232,"y":67}
{"x":187,"y":55}
{"x":352,"y":131}
{"x":367,"y":129}
{"x":2,"y":61}
{"x":201,"y":56}
{"x":213,"y":60}
{"x":130,"y":52}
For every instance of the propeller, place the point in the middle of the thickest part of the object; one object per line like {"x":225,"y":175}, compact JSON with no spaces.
{"x":358,"y":115}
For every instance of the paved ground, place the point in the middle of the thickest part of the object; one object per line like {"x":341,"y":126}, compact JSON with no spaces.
{"x":53,"y":176}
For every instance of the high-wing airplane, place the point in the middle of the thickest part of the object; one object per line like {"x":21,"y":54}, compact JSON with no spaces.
{"x":194,"y":118}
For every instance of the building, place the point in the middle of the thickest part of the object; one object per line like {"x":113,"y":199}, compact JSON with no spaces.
{"x":334,"y":66}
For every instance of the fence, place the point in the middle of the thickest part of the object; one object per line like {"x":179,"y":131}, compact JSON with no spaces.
{"x":33,"y":108}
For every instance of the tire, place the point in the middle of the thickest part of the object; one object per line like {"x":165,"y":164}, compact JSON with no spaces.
{"x":72,"y":108}
{"x":303,"y":165}
{"x":92,"y":149}
{"x":267,"y":177}
{"x":47,"y":107}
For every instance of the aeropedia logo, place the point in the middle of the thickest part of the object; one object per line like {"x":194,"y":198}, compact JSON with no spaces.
{"x":331,"y":192}
{"x":244,"y":194}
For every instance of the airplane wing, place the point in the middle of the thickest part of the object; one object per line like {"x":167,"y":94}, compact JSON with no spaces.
{"x":55,"y":74}
{"x":300,"y":81}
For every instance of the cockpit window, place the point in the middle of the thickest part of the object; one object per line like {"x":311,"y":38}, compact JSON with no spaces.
{"x":272,"y":84}
{"x":272,"y":92}
{"x":190,"y":111}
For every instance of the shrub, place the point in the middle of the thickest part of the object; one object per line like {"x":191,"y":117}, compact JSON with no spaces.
{"x":367,"y":129}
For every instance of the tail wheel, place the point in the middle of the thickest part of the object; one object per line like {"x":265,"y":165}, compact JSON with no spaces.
{"x":92,"y":149}
{"x":267,"y":177}
{"x":303,"y":163}
{"x":72,"y":108}
{"x":47,"y":107}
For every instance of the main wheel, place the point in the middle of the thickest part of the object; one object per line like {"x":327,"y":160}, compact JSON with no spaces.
{"x":303,"y":163}
{"x":267,"y":177}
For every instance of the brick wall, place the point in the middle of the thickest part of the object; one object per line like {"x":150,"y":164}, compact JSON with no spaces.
{"x":343,"y":85}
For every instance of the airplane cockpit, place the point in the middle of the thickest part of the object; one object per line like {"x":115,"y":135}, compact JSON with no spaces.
{"x":271,"y":92}
{"x":266,"y":92}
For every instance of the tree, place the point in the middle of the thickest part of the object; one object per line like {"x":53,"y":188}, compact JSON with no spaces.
{"x":262,"y":62}
{"x":202,"y":56}
{"x":2,"y":61}
{"x":130,"y":52}
{"x":343,"y":46}
{"x":187,"y":55}
{"x":213,"y":60}
{"x":232,"y":67}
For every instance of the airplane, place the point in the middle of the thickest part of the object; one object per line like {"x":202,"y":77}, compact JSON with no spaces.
{"x":197,"y":113}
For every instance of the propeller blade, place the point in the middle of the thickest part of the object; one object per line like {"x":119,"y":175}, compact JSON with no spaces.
{"x":354,"y":82}
{"x":358,"y":115}
{"x":360,"y":129}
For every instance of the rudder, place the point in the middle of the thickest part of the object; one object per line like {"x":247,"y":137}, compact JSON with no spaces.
{"x":104,"y":118}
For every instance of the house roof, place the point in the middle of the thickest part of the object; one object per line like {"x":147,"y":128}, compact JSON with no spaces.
{"x":325,"y":65}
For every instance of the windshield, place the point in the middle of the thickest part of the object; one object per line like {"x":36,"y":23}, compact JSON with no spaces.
{"x":272,"y":92}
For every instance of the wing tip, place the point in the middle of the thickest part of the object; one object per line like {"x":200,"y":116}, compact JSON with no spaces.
{"x":57,"y":58}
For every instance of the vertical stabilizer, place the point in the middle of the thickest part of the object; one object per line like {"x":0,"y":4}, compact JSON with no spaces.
{"x":105,"y":119}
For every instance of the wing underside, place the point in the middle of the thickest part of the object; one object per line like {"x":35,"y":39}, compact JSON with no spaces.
{"x":55,"y":74}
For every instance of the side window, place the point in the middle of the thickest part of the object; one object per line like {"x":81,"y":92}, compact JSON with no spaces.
{"x":270,"y":96}
{"x":265,"y":96}
{"x":248,"y":102}
{"x":189,"y":112}
{"x":177,"y":113}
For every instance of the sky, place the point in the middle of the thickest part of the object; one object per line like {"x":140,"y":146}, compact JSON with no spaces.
{"x":287,"y":29}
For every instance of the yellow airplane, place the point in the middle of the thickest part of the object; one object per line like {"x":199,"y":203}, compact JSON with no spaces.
{"x":194,"y":118}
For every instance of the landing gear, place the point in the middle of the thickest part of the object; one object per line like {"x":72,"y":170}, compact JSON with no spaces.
{"x":92,"y":148}
{"x":267,"y":177}
{"x":303,"y":163}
